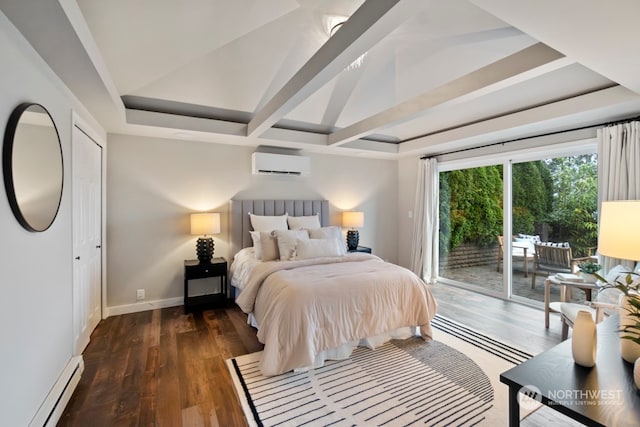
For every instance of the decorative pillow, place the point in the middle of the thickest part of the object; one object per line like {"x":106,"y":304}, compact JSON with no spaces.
{"x":269,"y":245}
{"x":300,"y":222}
{"x":535,"y":238}
{"x":316,"y":248}
{"x":268,"y":223}
{"x":287,"y":241}
{"x":255,"y":236}
{"x":555,"y":245}
{"x":328,"y":233}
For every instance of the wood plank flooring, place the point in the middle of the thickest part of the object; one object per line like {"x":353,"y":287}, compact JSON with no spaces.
{"x":165,"y":368}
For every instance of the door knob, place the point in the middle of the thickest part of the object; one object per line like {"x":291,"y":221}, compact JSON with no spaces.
{"x":77,"y":257}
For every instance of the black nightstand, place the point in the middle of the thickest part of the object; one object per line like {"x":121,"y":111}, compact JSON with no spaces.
{"x":193,"y":269}
{"x":361,"y":249}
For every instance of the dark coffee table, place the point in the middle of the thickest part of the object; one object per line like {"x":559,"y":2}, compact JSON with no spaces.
{"x":604,"y":395}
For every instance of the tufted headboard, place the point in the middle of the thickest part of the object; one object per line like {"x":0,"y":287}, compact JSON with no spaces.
{"x":240,"y":224}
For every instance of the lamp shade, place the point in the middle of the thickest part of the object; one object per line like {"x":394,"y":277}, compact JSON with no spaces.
{"x":352,"y":219}
{"x":619,"y":235}
{"x":205,"y":223}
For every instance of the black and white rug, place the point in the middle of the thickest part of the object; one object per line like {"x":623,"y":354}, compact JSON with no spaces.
{"x":450,"y":380}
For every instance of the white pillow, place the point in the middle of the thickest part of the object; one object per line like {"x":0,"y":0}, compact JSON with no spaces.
{"x":269,"y":245}
{"x":287,"y":241}
{"x":255,"y":236}
{"x":316,"y":248}
{"x":533,"y":238}
{"x":329,"y":233}
{"x":299,"y":222}
{"x":268,"y":223}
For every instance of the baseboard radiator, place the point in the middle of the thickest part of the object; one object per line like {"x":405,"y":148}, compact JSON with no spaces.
{"x":57,"y":399}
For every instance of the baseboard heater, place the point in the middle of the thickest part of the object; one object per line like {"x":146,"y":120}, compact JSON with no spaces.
{"x":57,"y":399}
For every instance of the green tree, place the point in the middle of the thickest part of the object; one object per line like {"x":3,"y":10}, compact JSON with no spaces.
{"x":470,"y":207}
{"x":575,"y":201}
{"x":530,"y":196}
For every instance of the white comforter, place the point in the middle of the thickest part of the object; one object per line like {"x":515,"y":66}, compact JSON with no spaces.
{"x":309,"y":306}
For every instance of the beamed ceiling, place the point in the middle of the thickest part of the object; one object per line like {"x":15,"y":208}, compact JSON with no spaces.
{"x":431,"y":76}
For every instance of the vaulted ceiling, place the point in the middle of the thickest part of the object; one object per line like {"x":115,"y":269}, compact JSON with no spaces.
{"x":398,"y":77}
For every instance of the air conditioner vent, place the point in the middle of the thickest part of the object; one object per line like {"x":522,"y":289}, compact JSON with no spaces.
{"x":279,"y":164}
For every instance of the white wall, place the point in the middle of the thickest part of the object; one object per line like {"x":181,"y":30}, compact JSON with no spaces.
{"x":153,"y":185}
{"x":35,"y":268}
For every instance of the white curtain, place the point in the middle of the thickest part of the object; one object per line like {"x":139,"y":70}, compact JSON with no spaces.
{"x":618,"y":169}
{"x":424,"y":246}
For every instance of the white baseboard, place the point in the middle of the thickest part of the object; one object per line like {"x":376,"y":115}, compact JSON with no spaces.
{"x":144,"y":306}
{"x":51,"y":409}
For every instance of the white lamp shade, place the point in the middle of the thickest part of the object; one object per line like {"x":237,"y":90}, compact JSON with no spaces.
{"x":619,"y":235}
{"x":205,"y":223}
{"x":351,"y":219}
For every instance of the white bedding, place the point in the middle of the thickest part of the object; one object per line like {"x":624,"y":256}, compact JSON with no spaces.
{"x":307,"y":308}
{"x":243,"y":264}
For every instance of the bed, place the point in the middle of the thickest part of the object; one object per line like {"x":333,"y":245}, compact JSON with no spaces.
{"x":318,"y":304}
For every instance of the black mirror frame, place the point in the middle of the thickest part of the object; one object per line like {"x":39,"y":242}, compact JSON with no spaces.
{"x":7,"y":165}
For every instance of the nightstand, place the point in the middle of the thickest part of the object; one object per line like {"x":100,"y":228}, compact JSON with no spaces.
{"x":193,"y":269}
{"x":361,"y":249}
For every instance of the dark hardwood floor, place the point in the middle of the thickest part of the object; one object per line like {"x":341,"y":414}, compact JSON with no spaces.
{"x":165,"y":368}
{"x":162,"y":368}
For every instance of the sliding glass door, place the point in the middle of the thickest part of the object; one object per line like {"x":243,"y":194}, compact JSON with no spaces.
{"x":555,"y":202}
{"x":492,"y":216}
{"x":471,"y":222}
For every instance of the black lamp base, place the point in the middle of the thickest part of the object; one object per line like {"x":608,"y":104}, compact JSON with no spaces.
{"x":352,"y":239}
{"x":204,"y":249}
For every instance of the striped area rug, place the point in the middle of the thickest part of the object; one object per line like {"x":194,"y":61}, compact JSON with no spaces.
{"x":450,"y":380}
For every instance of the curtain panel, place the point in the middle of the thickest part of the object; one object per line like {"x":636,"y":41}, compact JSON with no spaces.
{"x":618,"y":170}
{"x":424,"y":245}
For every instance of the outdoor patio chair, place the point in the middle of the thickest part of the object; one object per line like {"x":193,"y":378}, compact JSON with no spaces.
{"x":554,"y":258}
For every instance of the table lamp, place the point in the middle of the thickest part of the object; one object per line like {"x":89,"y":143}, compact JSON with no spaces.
{"x":619,"y":237}
{"x":203,"y":224}
{"x":352,"y":220}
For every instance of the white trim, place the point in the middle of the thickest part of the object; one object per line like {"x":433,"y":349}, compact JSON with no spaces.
{"x":144,"y":306}
{"x":54,"y":404}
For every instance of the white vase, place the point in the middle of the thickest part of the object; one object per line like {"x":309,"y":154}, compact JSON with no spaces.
{"x":636,"y":372}
{"x":584,"y":340}
{"x":629,"y":350}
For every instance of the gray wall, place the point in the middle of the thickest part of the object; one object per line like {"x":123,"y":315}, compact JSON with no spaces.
{"x":153,"y":185}
{"x":35,"y":268}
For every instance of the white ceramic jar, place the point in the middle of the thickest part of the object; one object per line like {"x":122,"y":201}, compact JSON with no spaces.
{"x":584,"y":340}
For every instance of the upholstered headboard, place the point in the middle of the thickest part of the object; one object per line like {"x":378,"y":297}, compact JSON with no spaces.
{"x":241,"y":225}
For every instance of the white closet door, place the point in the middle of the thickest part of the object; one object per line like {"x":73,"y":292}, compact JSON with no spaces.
{"x":87,"y":237}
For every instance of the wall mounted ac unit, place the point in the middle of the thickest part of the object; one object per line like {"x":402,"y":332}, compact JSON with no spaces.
{"x":279,"y":164}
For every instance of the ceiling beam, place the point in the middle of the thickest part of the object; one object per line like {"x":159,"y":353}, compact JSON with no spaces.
{"x":526,"y":64}
{"x":569,"y":26}
{"x":367,"y":26}
{"x":220,"y":129}
{"x":583,"y":110}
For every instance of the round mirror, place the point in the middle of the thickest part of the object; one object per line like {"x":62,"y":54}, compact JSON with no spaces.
{"x":32,"y":166}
